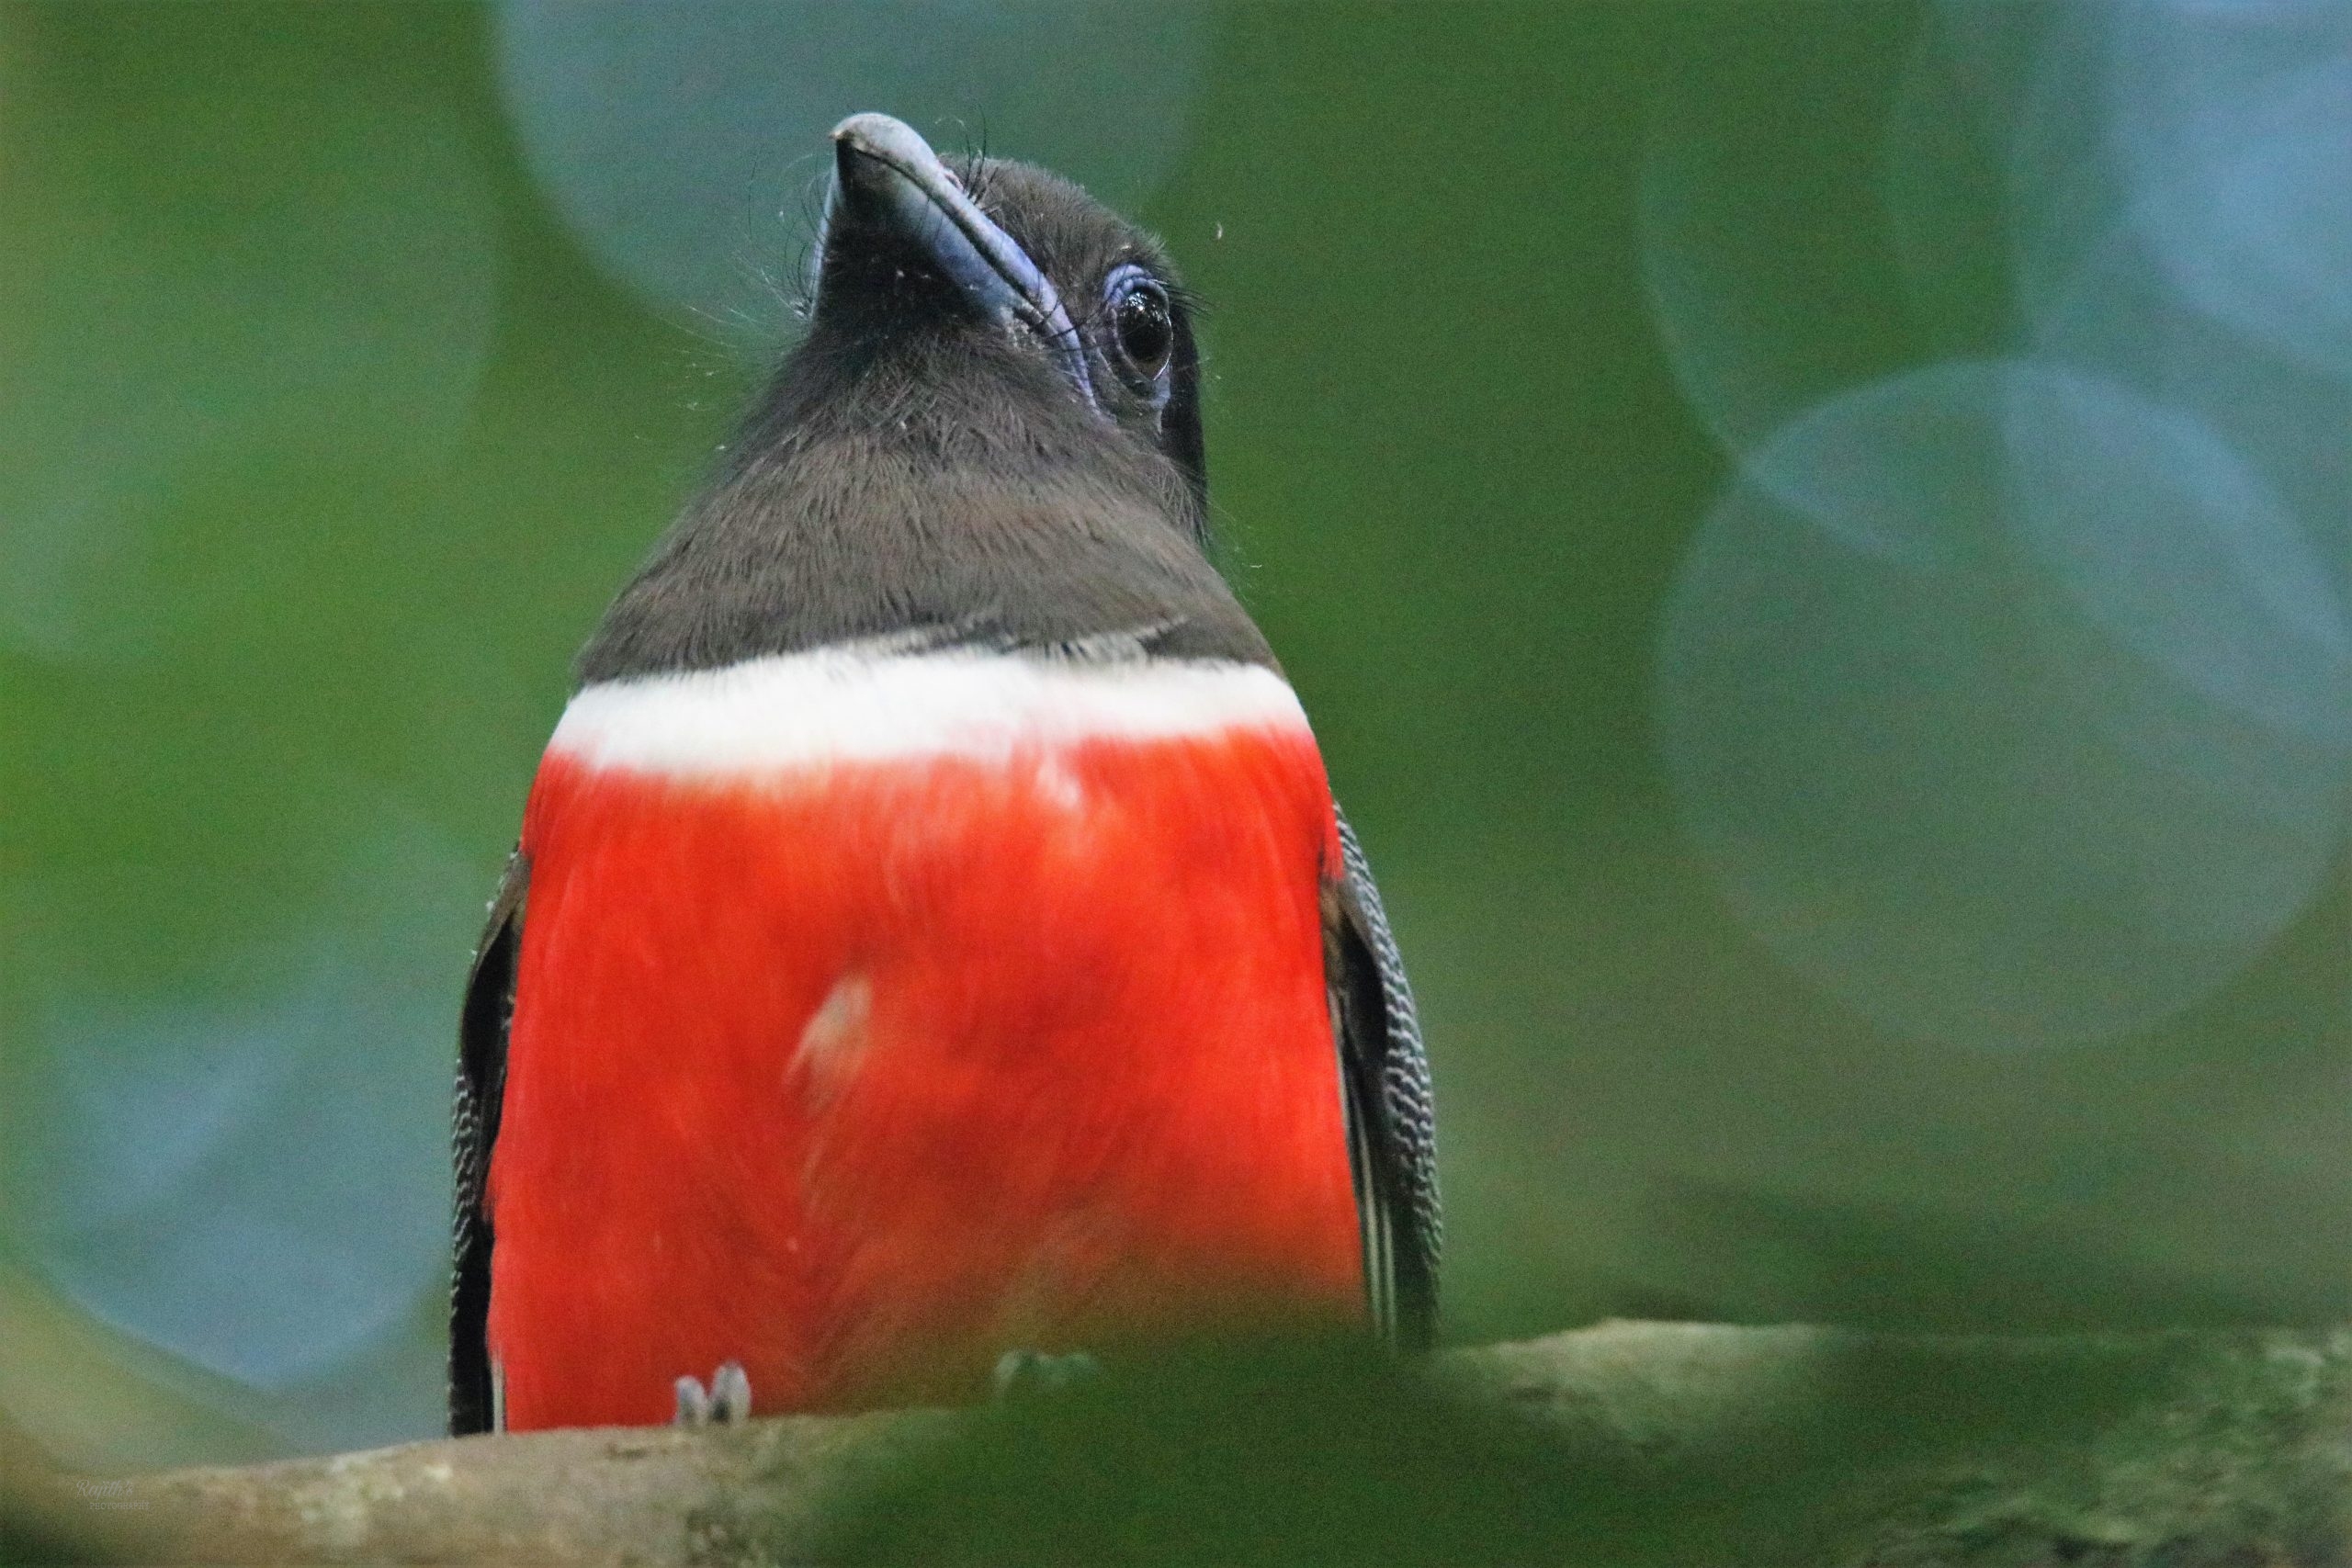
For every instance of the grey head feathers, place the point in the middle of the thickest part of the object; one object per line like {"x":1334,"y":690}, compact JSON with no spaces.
{"x":921,"y":459}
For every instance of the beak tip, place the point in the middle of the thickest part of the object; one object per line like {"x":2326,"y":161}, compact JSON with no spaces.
{"x":879,"y":136}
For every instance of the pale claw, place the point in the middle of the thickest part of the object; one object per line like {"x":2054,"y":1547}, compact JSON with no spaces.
{"x":1020,"y":1373}
{"x":726,"y":1403}
{"x":731,"y":1394}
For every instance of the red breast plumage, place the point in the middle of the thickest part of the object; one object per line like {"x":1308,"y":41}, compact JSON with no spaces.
{"x":940,"y":937}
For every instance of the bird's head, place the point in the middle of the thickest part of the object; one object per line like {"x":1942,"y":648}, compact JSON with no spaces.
{"x":994,"y":302}
{"x":992,"y":422}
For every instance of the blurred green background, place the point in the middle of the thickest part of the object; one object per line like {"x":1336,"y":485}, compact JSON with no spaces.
{"x":1814,"y":536}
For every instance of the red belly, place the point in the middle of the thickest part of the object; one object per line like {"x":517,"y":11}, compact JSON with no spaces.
{"x":863,"y":1074}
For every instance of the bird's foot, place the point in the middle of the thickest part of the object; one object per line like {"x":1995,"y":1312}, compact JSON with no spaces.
{"x":725,"y":1403}
{"x":1020,"y":1374}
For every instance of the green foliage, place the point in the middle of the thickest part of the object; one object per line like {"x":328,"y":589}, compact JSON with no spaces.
{"x":324,"y":441}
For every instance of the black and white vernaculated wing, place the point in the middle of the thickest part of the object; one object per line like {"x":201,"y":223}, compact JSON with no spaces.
{"x":1392,"y":1124}
{"x":481,"y":1085}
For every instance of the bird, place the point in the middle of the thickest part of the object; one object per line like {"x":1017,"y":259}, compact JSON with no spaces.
{"x":931,"y":937}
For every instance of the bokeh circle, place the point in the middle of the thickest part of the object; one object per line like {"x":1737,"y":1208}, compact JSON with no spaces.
{"x":2008,"y":705}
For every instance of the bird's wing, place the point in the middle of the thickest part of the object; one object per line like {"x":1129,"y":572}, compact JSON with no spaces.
{"x":481,"y":1085}
{"x":1384,"y":1082}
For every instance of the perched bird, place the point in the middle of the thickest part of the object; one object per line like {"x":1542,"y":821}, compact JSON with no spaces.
{"x":932,"y":935}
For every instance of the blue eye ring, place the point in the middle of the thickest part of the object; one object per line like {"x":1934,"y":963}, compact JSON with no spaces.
{"x":1141,"y":342}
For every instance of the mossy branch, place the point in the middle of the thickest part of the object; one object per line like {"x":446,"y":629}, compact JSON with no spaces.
{"x":1624,"y":1443}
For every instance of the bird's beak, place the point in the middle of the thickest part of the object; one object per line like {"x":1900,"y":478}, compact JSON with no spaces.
{"x":886,"y":180}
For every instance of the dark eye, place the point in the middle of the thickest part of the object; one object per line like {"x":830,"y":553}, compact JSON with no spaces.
{"x":1141,"y":322}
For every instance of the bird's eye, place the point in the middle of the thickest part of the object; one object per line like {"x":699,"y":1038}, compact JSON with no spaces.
{"x":1142,"y":321}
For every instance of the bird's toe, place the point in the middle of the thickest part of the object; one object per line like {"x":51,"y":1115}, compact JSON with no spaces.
{"x":1020,"y":1373}
{"x":731,"y":1394}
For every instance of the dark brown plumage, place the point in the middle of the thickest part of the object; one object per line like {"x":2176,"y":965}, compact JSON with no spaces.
{"x":937,"y":473}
